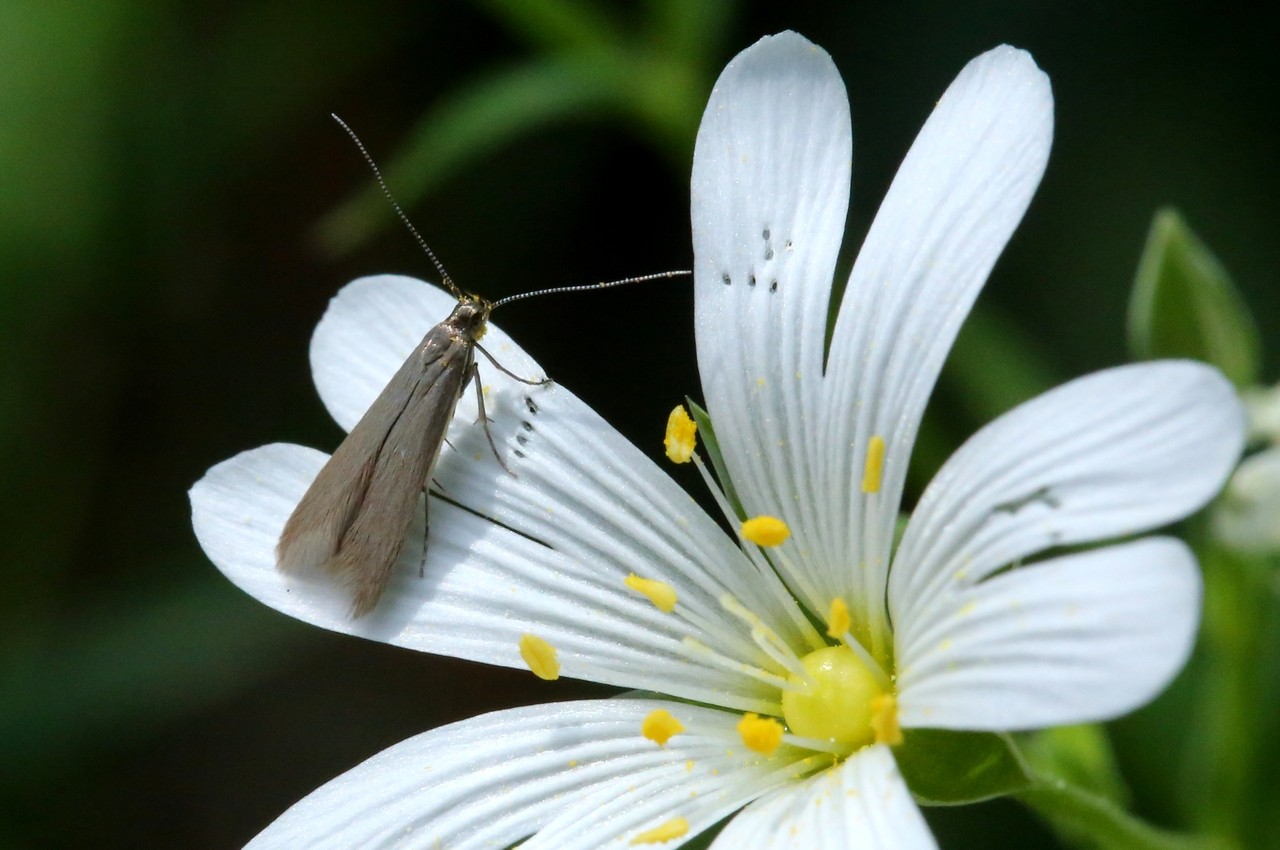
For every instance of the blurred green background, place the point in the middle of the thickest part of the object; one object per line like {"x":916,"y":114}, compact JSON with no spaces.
{"x":168,"y":178}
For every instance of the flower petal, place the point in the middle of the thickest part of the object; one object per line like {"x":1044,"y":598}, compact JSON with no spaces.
{"x":770,"y":191}
{"x":493,"y":780}
{"x":483,"y":587}
{"x":863,"y":802}
{"x":1076,"y":639}
{"x":956,"y":199}
{"x":1113,"y":453}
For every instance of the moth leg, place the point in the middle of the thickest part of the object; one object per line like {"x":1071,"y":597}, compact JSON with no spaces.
{"x":484,"y":417}
{"x":504,"y":370}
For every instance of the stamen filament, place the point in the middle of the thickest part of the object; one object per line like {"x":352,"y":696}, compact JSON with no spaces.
{"x":704,"y":653}
{"x":873,"y":667}
{"x":758,"y":560}
{"x":765,"y":638}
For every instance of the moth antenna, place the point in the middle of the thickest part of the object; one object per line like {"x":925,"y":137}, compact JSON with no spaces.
{"x":377,"y":173}
{"x":605,"y":285}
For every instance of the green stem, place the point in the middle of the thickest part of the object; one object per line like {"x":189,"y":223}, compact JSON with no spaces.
{"x":1088,"y":820}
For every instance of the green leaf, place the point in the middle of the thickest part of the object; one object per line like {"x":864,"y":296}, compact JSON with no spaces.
{"x":712,"y":447}
{"x":1184,"y":304}
{"x":945,"y":768}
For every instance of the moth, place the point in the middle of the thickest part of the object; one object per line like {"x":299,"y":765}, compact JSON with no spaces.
{"x":353,"y":519}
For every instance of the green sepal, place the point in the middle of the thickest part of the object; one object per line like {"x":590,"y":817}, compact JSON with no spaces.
{"x":945,"y":768}
{"x":707,"y":433}
{"x":1184,"y":304}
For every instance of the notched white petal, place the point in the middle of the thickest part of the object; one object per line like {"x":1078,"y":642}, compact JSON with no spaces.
{"x":1113,"y":453}
{"x":1081,"y":638}
{"x":497,"y":779}
{"x":960,"y":192}
{"x":769,"y":194}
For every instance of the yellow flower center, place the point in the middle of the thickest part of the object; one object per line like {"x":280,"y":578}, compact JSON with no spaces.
{"x":837,"y":701}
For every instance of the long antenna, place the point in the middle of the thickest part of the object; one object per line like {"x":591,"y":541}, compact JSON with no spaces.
{"x":556,"y":289}
{"x":377,"y":173}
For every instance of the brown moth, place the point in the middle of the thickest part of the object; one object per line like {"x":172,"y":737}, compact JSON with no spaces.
{"x":353,"y":519}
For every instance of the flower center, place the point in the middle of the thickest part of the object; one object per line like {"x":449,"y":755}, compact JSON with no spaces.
{"x":836,"y":701}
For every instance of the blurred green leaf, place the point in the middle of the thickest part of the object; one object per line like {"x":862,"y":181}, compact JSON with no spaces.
{"x":689,"y":29}
{"x":1087,"y":820}
{"x":556,"y":24}
{"x":131,"y":666}
{"x":1233,"y":760}
{"x":471,"y":123}
{"x":1081,"y":755}
{"x":657,"y":81}
{"x":945,"y":768}
{"x":1184,"y":304}
{"x":995,"y":365}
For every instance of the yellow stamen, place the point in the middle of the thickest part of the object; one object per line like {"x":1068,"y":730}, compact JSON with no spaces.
{"x":540,"y":656}
{"x":661,"y":594}
{"x":673,"y":828}
{"x":681,"y":436}
{"x":838,"y":619}
{"x":765,"y":530}
{"x":874,"y":465}
{"x":884,"y":720}
{"x":659,"y":726}
{"x":761,"y":734}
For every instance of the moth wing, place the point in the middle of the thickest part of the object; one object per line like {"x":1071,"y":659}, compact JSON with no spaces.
{"x":368,"y":551}
{"x":314,"y":531}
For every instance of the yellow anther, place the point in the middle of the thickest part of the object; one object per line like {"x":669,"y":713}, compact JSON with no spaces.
{"x":874,"y":465}
{"x":659,"y":726}
{"x":765,"y":530}
{"x":540,"y":656}
{"x":674,"y":828}
{"x":681,"y":436}
{"x":838,"y":619}
{"x":661,"y":594}
{"x":884,"y":720}
{"x":761,"y":734}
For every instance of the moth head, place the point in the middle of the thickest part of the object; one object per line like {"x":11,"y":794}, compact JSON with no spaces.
{"x":471,"y":316}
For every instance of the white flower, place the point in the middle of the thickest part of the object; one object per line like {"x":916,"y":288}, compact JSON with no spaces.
{"x":946,"y":635}
{"x":1248,"y":516}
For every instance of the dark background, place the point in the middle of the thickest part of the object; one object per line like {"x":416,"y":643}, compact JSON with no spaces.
{"x":164,"y":168}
